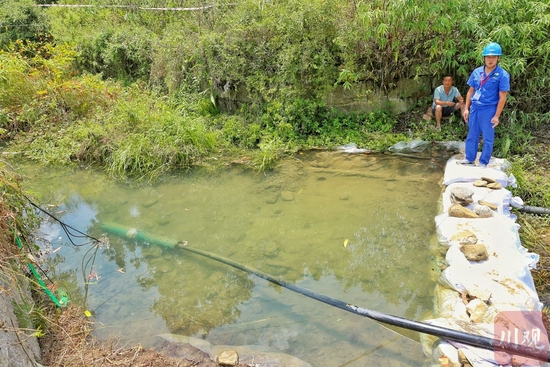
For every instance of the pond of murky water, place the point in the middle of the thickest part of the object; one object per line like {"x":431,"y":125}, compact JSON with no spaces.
{"x":359,"y":228}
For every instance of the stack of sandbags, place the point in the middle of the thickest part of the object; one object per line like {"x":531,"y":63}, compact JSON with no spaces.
{"x":487,"y":270}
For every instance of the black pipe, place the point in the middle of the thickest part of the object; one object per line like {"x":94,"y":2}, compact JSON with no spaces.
{"x":439,"y":331}
{"x":534,"y":210}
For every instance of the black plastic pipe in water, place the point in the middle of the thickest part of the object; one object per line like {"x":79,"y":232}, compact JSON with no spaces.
{"x":439,"y":331}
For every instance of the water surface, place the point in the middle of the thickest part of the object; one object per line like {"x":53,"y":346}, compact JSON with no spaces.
{"x":359,"y":228}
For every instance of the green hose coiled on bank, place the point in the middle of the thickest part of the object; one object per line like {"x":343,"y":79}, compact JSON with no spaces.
{"x":62,"y":298}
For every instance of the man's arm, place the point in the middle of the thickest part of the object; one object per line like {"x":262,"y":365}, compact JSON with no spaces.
{"x":438,"y":101}
{"x":466,"y":111}
{"x":443,"y":103}
{"x":500,"y":106}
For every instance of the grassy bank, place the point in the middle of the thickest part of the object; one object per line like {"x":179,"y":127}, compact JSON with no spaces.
{"x":56,"y":115}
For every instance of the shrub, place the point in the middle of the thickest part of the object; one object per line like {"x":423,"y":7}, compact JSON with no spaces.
{"x":21,"y":20}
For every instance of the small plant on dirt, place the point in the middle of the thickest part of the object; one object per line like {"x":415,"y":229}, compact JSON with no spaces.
{"x":270,"y":153}
{"x":30,"y":317}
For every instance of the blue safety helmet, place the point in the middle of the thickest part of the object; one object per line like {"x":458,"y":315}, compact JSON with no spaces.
{"x":492,"y":49}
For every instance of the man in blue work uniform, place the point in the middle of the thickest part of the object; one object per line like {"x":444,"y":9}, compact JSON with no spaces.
{"x":489,"y":86}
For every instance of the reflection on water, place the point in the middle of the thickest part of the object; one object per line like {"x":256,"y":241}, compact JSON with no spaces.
{"x":354,"y":227}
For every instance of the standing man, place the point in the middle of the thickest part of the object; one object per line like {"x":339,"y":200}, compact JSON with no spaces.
{"x":444,"y":100}
{"x":489,"y":86}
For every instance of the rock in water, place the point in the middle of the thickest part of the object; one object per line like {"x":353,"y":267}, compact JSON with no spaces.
{"x":185,"y":351}
{"x":149,"y":202}
{"x":227,"y":358}
{"x":272,"y":199}
{"x":287,"y":195}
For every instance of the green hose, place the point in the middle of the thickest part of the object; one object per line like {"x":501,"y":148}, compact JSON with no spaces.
{"x":132,"y":233}
{"x":63,"y":296}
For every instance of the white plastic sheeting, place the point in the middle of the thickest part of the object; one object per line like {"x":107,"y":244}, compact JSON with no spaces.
{"x":496,"y":169}
{"x":470,"y":294}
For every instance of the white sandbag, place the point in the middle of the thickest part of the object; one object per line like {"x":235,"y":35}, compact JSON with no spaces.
{"x":466,"y":282}
{"x":351,"y":148}
{"x":484,"y":228}
{"x":511,"y":294}
{"x":502,"y":261}
{"x":448,"y":303}
{"x":505,"y":294}
{"x":512,"y":182}
{"x":413,"y":146}
{"x":455,"y":258}
{"x":501,"y":238}
{"x":444,"y":349}
{"x":440,"y":350}
{"x":457,"y":173}
{"x":451,"y":146}
{"x":501,"y":198}
{"x":516,"y":202}
{"x":478,"y":356}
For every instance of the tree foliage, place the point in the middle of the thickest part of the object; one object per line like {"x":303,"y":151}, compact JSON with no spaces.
{"x":22,"y":20}
{"x":300,"y":49}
